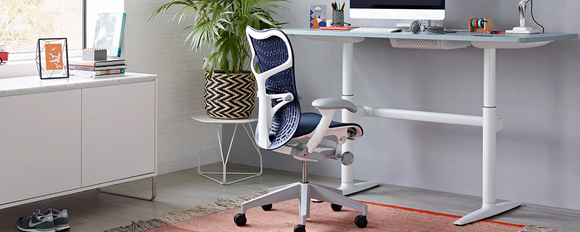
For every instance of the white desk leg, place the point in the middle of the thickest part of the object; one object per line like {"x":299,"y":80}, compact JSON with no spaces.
{"x":348,"y":186}
{"x":489,"y":206}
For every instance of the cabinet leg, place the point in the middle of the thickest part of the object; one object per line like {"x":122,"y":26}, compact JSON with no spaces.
{"x":153,"y":191}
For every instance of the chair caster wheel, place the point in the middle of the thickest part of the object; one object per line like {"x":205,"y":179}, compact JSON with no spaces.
{"x":300,"y":228}
{"x":267,"y":207}
{"x":240,"y":219}
{"x":336,"y":207}
{"x":361,"y":221}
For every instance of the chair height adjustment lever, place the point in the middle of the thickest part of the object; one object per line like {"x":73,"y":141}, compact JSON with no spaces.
{"x":346,"y":158}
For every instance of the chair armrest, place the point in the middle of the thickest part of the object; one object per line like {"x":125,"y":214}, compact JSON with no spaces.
{"x":333,"y":104}
{"x":327,"y":107}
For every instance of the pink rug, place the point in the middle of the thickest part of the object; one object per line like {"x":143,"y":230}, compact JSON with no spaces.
{"x":219,"y":216}
{"x":284,"y":216}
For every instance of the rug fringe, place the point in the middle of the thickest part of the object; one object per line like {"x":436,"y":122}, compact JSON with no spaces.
{"x":175,"y":217}
{"x":139,"y":226}
{"x":531,"y":228}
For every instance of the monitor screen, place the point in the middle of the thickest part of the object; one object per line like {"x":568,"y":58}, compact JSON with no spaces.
{"x":398,"y":9}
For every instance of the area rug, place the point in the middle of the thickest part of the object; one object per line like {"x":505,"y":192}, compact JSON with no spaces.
{"x":219,"y":216}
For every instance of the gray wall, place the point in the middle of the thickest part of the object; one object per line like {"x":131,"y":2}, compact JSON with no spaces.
{"x":537,"y":96}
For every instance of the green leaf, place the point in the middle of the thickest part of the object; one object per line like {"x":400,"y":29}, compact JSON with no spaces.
{"x":221,"y":24}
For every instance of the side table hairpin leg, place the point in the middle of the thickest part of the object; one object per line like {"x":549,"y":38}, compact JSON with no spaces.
{"x":153,"y":191}
{"x":224,"y":172}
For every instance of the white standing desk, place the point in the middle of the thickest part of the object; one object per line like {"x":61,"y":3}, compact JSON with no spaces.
{"x":490,"y":123}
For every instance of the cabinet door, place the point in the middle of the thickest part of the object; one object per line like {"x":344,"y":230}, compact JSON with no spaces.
{"x":118,"y":132}
{"x":40,"y":144}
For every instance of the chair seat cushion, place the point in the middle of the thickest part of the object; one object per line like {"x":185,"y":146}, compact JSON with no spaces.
{"x":309,"y":121}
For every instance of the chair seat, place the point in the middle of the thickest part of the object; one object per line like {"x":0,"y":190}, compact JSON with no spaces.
{"x":309,"y":121}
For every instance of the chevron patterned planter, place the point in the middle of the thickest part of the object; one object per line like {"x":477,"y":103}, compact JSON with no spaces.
{"x":229,"y":97}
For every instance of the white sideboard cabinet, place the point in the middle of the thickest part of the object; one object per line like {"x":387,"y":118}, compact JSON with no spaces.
{"x":64,"y":136}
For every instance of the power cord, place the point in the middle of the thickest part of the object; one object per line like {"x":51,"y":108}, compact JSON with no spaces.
{"x":532,"y":12}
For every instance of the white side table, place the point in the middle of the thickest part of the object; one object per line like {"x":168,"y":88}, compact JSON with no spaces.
{"x":207,"y":120}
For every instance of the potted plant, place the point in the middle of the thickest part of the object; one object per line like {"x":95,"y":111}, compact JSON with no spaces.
{"x":229,"y":88}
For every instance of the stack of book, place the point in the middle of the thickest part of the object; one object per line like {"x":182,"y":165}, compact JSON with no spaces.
{"x":97,"y":69}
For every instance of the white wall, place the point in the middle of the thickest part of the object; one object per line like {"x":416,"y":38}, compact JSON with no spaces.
{"x":158,"y":48}
{"x":538,"y":98}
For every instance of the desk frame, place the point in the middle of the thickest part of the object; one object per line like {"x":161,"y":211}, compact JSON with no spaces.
{"x":489,"y":121}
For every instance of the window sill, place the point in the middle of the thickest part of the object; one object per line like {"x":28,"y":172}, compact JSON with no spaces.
{"x":18,"y":69}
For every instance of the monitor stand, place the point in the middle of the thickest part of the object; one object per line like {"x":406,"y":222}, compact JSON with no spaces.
{"x":406,"y":23}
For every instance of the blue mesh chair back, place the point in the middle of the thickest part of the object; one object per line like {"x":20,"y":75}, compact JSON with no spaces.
{"x":272,"y":52}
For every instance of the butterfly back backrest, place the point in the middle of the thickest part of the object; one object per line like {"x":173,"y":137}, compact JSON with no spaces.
{"x":272,"y":54}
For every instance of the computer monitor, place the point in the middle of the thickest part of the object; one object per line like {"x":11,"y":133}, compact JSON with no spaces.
{"x":403,"y":10}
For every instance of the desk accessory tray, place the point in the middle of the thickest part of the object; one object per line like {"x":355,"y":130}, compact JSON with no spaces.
{"x":428,"y":44}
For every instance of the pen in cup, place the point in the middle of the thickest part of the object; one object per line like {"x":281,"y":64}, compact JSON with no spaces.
{"x":336,"y":6}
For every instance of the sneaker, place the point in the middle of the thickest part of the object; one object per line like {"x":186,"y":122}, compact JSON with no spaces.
{"x":36,"y":222}
{"x":60,"y":219}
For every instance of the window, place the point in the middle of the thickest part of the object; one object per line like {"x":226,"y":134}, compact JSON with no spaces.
{"x":23,"y":22}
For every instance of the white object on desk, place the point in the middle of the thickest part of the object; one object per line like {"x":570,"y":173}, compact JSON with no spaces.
{"x":522,"y":29}
{"x":206,"y":119}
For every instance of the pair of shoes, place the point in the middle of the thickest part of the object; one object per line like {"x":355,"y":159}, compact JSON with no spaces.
{"x":50,"y":221}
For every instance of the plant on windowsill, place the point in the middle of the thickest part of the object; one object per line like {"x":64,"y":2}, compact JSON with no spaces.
{"x":229,"y":89}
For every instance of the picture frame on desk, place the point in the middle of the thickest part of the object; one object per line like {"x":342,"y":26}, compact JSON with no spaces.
{"x":318,"y":16}
{"x":52,"y":58}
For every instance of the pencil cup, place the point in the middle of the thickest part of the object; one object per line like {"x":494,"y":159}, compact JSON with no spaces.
{"x":94,"y":54}
{"x":338,"y":18}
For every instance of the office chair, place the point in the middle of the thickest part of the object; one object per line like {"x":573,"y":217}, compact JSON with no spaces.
{"x":308,"y":137}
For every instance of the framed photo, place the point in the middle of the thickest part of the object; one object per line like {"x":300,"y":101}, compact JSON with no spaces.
{"x":108,"y":33}
{"x":52,"y":58}
{"x":317,"y":16}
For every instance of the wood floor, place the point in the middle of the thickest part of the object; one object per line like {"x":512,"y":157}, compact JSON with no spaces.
{"x":92,"y":211}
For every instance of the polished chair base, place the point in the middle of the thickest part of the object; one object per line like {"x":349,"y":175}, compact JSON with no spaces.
{"x":305,"y":192}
